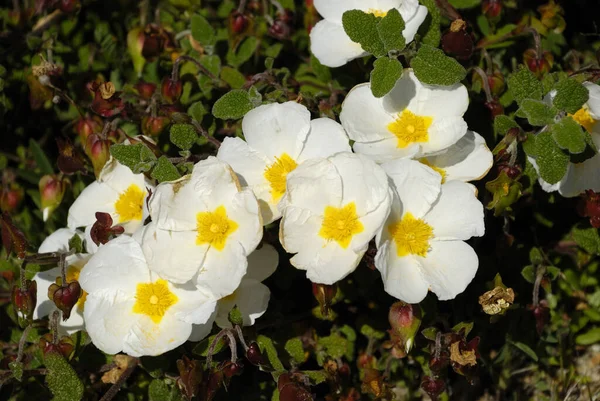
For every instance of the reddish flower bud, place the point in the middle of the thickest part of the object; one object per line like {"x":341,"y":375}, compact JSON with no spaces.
{"x":154,"y":126}
{"x":65,"y":346}
{"x":11,"y":197}
{"x":69,"y":159}
{"x":538,"y":65}
{"x":65,"y":297}
{"x":231,"y":369}
{"x":52,"y":189}
{"x":86,"y":126}
{"x":13,"y":239}
{"x":324,"y":294}
{"x":254,"y":355}
{"x":433,"y":387}
{"x":238,"y":22}
{"x":145,"y":89}
{"x":68,"y":6}
{"x":25,"y":299}
{"x":512,"y":172}
{"x":190,"y":376}
{"x":102,"y":230}
{"x":171,"y":90}
{"x":457,"y":41}
{"x":213,"y":384}
{"x":107,"y":102}
{"x":494,"y":107}
{"x":98,"y":151}
{"x":541,"y":313}
{"x":492,"y":8}
{"x":405,"y":320}
{"x":589,"y":206}
{"x":280,"y":30}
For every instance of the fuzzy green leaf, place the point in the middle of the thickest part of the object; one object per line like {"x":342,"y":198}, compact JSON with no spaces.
{"x":183,"y":136}
{"x":233,"y":77}
{"x":202,"y":31}
{"x":158,"y":391}
{"x":430,"y":28}
{"x":433,"y":67}
{"x":460,"y":4}
{"x":361,"y":28}
{"x":138,"y":157}
{"x":202,"y":348}
{"x":244,"y":51}
{"x":165,"y":171}
{"x":570,"y":95}
{"x":390,"y":31}
{"x":569,"y":135}
{"x":385,"y":73}
{"x":295,"y":349}
{"x":370,"y":332}
{"x":266,"y":346}
{"x":235,"y":316}
{"x":590,"y":337}
{"x":76,"y":243}
{"x":62,"y":379}
{"x":524,"y":85}
{"x":528,"y":273}
{"x":587,"y":238}
{"x":551,"y":159}
{"x":502,"y":124}
{"x":537,"y":112}
{"x":316,"y":376}
{"x":233,"y":105}
{"x":197,"y":111}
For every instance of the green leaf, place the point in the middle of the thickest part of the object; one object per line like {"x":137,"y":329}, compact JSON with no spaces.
{"x":243,"y":53}
{"x":460,"y":4}
{"x":41,"y":160}
{"x":590,"y":337}
{"x":431,"y":33}
{"x":370,"y":332}
{"x":197,"y":111}
{"x":235,"y":316}
{"x":587,"y":238}
{"x":385,"y":73}
{"x":503,"y":124}
{"x":211,"y":63}
{"x":570,"y":95}
{"x":322,"y":72}
{"x":76,"y":243}
{"x":433,"y":67}
{"x":466,"y":326}
{"x":569,"y":135}
{"x":316,"y":376}
{"x":295,"y":349}
{"x":158,"y":391}
{"x":334,"y":345}
{"x":16,"y":369}
{"x":165,"y":170}
{"x":183,"y":136}
{"x":551,"y":160}
{"x":266,"y":346}
{"x":233,"y":77}
{"x":430,"y":333}
{"x":528,"y":273}
{"x":390,"y":31}
{"x":526,"y":349}
{"x":202,"y":31}
{"x":138,"y":157}
{"x":537,"y":112}
{"x":361,"y":28}
{"x":233,"y":105}
{"x":535,"y":256}
{"x":62,"y":379}
{"x":202,"y":348}
{"x":524,"y":85}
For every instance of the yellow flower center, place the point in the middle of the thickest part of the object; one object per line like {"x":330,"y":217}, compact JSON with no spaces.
{"x":340,"y":224}
{"x":410,"y":128}
{"x":130,"y":204}
{"x":434,"y":168}
{"x":214,"y":228}
{"x":377,"y":13}
{"x":154,"y":299}
{"x":411,"y":236}
{"x":585,"y":119}
{"x":73,"y":275}
{"x":277,"y":173}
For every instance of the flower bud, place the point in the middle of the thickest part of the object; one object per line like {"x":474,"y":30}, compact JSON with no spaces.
{"x":69,"y":160}
{"x":86,"y":126}
{"x":154,"y":126}
{"x":538,"y":65}
{"x":433,"y":387}
{"x":589,"y":206}
{"x":171,"y":90}
{"x":52,"y":189}
{"x":190,"y":376}
{"x":492,"y":8}
{"x":25,"y":299}
{"x":254,"y":355}
{"x":65,"y":346}
{"x":135,"y":44}
{"x":238,"y":22}
{"x":11,"y":197}
{"x":102,"y":230}
{"x":405,"y":320}
{"x":552,"y":16}
{"x":457,"y":41}
{"x":68,"y":6}
{"x":145,"y":89}
{"x":106,"y":102}
{"x":65,"y":297}
{"x":494,"y":107}
{"x":324,"y":294}
{"x":231,"y":369}
{"x":98,"y":151}
{"x":280,"y":30}
{"x":541,"y":313}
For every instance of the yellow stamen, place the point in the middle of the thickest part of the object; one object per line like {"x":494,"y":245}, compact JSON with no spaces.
{"x":585,"y":119}
{"x":377,"y":13}
{"x":434,"y":168}
{"x":277,"y":173}
{"x":214,"y":228}
{"x":411,"y":236}
{"x":154,"y":299}
{"x":130,"y":204}
{"x":341,"y":224}
{"x":410,"y":128}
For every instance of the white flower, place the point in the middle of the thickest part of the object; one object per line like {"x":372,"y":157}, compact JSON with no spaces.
{"x":278,"y":138}
{"x":130,"y":309}
{"x":332,"y":209}
{"x":117,"y":192}
{"x":203,"y":229}
{"x":580,"y":176}
{"x":421,"y":246}
{"x":413,"y":120}
{"x":58,"y":241}
{"x":330,"y":43}
{"x":469,"y":159}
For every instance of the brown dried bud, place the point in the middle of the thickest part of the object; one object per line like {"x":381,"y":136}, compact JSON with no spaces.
{"x":190,"y":376}
{"x":70,"y":160}
{"x":497,"y":300}
{"x":103,"y":230}
{"x":122,"y":363}
{"x":107,"y":90}
{"x":107,"y":102}
{"x":325,"y":295}
{"x":12,"y":237}
{"x":433,"y":387}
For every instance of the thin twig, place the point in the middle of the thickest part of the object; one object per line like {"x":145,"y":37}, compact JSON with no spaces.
{"x":180,"y":59}
{"x":232,"y":346}
{"x":112,"y":392}
{"x":22,"y":343}
{"x":448,"y":9}
{"x":541,"y":270}
{"x":54,"y":326}
{"x":238,"y":329}
{"x":205,"y":134}
{"x":213,"y":345}
{"x":486,"y":83}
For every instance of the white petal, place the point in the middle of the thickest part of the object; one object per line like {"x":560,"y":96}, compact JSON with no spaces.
{"x":417,"y":185}
{"x":58,"y":241}
{"x":247,"y":163}
{"x":328,"y":264}
{"x":244,"y":210}
{"x":96,"y":197}
{"x":385,"y":150}
{"x":108,"y":317}
{"x":193,"y":306}
{"x":407,"y":8}
{"x":299,"y":227}
{"x":326,"y":138}
{"x":334,"y":9}
{"x":118,"y":265}
{"x":363,"y":116}
{"x":201,"y":331}
{"x":457,"y":214}
{"x":262,"y":263}
{"x":273,"y":129}
{"x":413,"y":24}
{"x":173,"y":255}
{"x":44,"y":279}
{"x":449,"y":268}
{"x":440,"y":101}
{"x":443,"y":133}
{"x":120,"y":177}
{"x":222,"y":271}
{"x":174,"y":205}
{"x":214,"y":182}
{"x":373,"y":223}
{"x":148,"y":338}
{"x":73,"y":324}
{"x":581,"y":176}
{"x":593,"y":102}
{"x":331,"y":45}
{"x":467,"y":160}
{"x":313,"y":185}
{"x":401,"y":276}
{"x":251,"y":298}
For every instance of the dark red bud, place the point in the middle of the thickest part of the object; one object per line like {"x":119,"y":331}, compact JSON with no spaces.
{"x":70,"y":160}
{"x":231,"y":369}
{"x":433,"y":387}
{"x":214,"y":383}
{"x":86,"y":126}
{"x":145,"y":89}
{"x":457,"y":41}
{"x":492,"y":8}
{"x":254,"y":355}
{"x":25,"y":299}
{"x":495,"y":108}
{"x":171,"y":90}
{"x":539,"y":65}
{"x":65,"y":297}
{"x":68,"y":6}
{"x":280,"y":30}
{"x":103,"y":230}
{"x":238,"y":22}
{"x":154,"y":126}
{"x":65,"y":346}
{"x":10,"y":198}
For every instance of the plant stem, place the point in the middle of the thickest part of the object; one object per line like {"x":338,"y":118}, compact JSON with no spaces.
{"x":112,"y":392}
{"x":22,"y":343}
{"x":486,"y":83}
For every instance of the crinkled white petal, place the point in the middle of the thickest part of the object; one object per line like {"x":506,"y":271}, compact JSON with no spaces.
{"x":401,"y":276}
{"x":58,"y":241}
{"x":214,"y":182}
{"x":385,"y":150}
{"x":262,"y":263}
{"x":299,"y":228}
{"x":334,"y":9}
{"x":201,"y":331}
{"x":449,"y":267}
{"x":73,"y":324}
{"x":248,"y":164}
{"x":457,"y":214}
{"x":580,"y":177}
{"x":96,"y":197}
{"x":244,"y":210}
{"x":372,"y":223}
{"x":146,"y":338}
{"x":468,"y":159}
{"x":327,"y":264}
{"x":443,"y":133}
{"x":276,"y":128}
{"x":252,"y":300}
{"x":193,"y":305}
{"x":174,"y":205}
{"x":222,"y":271}
{"x":331,"y":45}
{"x":412,"y":25}
{"x":593,"y":102}
{"x":326,"y":138}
